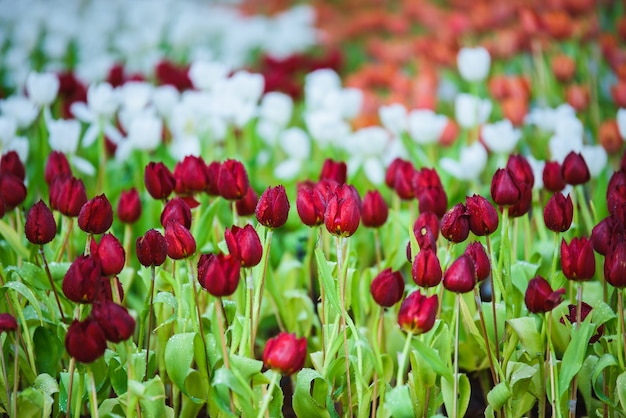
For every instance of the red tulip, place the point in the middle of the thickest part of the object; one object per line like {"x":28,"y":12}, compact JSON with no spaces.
{"x":426,"y":268}
{"x":129,"y":206}
{"x":85,"y":340}
{"x":343,"y":212}
{"x":577,"y":259}
{"x":272,"y":209}
{"x":375,"y":210}
{"x":285,"y":353}
{"x":219,"y":274}
{"x":558,"y":213}
{"x":96,"y":216}
{"x":483,"y":217}
{"x":418,"y":313}
{"x":232,"y":180}
{"x":387,"y":288}
{"x":460,"y":277}
{"x":540,"y":297}
{"x":115,"y":321}
{"x":40,"y":227}
{"x":151,"y":248}
{"x":244,"y":244}
{"x":82,"y":280}
{"x":180,"y":243}
{"x":159,"y":180}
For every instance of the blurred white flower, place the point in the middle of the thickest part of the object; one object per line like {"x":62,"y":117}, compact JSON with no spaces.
{"x":42,"y":88}
{"x":296,"y":144}
{"x":20,"y":109}
{"x":500,"y":137}
{"x":64,"y":137}
{"x":326,"y":127}
{"x":393,"y":117}
{"x":204,"y":75}
{"x":144,"y":133}
{"x":596,"y":158}
{"x":276,"y":108}
{"x":102,"y":102}
{"x":471,"y":163}
{"x":164,"y":98}
{"x":568,"y":136}
{"x":471,"y":110}
{"x":366,"y":148}
{"x":9,"y":141}
{"x":184,"y":146}
{"x":425,"y":126}
{"x":537,"y":168}
{"x":473,"y":63}
{"x":317,"y":85}
{"x":546,"y":118}
{"x":621,"y":122}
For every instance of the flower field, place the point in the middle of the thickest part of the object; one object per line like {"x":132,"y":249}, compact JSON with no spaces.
{"x":335,"y":209}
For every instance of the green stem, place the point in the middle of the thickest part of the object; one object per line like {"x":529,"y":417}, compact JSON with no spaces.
{"x":494,"y":375}
{"x":93,"y":394}
{"x":221,"y":317}
{"x":404,"y":359}
{"x":268,"y":394}
{"x":68,"y":406}
{"x":555,"y":258}
{"x":16,"y":373}
{"x":622,"y":341}
{"x":556,"y":405}
{"x":200,"y":325}
{"x":5,"y":378}
{"x":258,"y":295}
{"x":455,"y":391}
{"x":54,"y":290}
{"x":67,"y":230}
{"x":584,"y":207}
{"x":574,"y":387}
{"x":78,"y":406}
{"x":342,"y":289}
{"x":494,"y":298}
{"x":150,"y":309}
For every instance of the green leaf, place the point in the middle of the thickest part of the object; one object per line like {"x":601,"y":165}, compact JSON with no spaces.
{"x":327,"y":281}
{"x":526,"y":330}
{"x":23,"y":290}
{"x":463,"y":394}
{"x":521,"y":273}
{"x":48,"y":350}
{"x":575,"y":354}
{"x":620,"y":388}
{"x":606,"y":361}
{"x":153,"y":399}
{"x":14,"y":239}
{"x":398,"y":402}
{"x":179,"y":356}
{"x":433,"y":359}
{"x":498,"y":395}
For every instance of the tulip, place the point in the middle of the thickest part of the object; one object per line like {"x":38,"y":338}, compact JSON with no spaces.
{"x":110,"y":253}
{"x":474,"y":63}
{"x":180,"y":243}
{"x":585,"y":309}
{"x":574,"y":169}
{"x":540,"y":297}
{"x":232,"y":180}
{"x":504,"y":191}
{"x":523,"y":205}
{"x":334,"y":170}
{"x":455,"y":224}
{"x":390,"y":174}
{"x":520,"y":170}
{"x":427,"y":220}
{"x":7,"y":322}
{"x":481,"y":260}
{"x":159,"y":180}
{"x":96,"y":215}
{"x":552,"y":177}
{"x":40,"y":227}
{"x":285,"y":353}
{"x":426,"y":268}
{"x":115,"y":321}
{"x":11,"y":163}
{"x":57,"y":165}
{"x":429,"y":192}
{"x":602,"y":235}
{"x":375,"y":210}
{"x":460,"y":277}
{"x":483,"y":217}
{"x":401,"y":174}
{"x":85,"y":340}
{"x":219,"y":274}
{"x":418,"y":313}
{"x":190,"y":175}
{"x":310,"y":204}
{"x":577,"y":259}
{"x":272,"y":209}
{"x":558,"y":213}
{"x":81,"y":282}
{"x":246,"y":206}
{"x":615,"y":265}
{"x":176,"y":210}
{"x":244,"y":244}
{"x":151,"y":248}
{"x":67,"y":195}
{"x":387,"y":288}
{"x":343,"y":213}
{"x":129,"y":206}
{"x":212,"y":170}
{"x":12,"y":190}
{"x":106,"y":291}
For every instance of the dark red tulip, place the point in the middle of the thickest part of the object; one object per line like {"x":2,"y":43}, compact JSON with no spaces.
{"x":418,"y":313}
{"x":343,"y":212}
{"x":455,"y":224}
{"x":480,"y":258}
{"x":310,"y":204}
{"x":387,"y":288}
{"x":577,"y":259}
{"x":57,"y":165}
{"x":552,"y":177}
{"x":522,"y":207}
{"x":426,"y":268}
{"x":110,"y":253}
{"x":616,"y":193}
{"x":96,"y":216}
{"x":390,"y":174}
{"x":115,"y":321}
{"x":212,"y":170}
{"x":429,"y":191}
{"x":483,"y":217}
{"x":40,"y":227}
{"x":585,"y":310}
{"x":427,"y":220}
{"x":176,"y":210}
{"x":404,"y":180}
{"x":375,"y":210}
{"x":151,"y":248}
{"x":246,"y":206}
{"x":273,"y":207}
{"x":602,"y":235}
{"x":106,"y":291}
{"x":540,"y":297}
{"x":460,"y":277}
{"x":285,"y":353}
{"x":129,"y":206}
{"x":520,"y":170}
{"x":85,"y":340}
{"x":67,"y":195}
{"x":334,"y":170}
{"x":7,"y":322}
{"x":574,"y":169}
{"x":615,"y":265}
{"x":219,"y":274}
{"x":12,"y":190}
{"x":11,"y":163}
{"x":159,"y":180}
{"x":504,"y":191}
{"x":244,"y":244}
{"x":558,"y":213}
{"x":232,"y":180}
{"x":81,"y":283}
{"x":180,"y":243}
{"x":2,"y":207}
{"x":190,"y":175}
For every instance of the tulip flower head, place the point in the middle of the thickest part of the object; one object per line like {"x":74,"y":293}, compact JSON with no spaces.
{"x":180,"y":243}
{"x":310,"y":204}
{"x":232,"y":180}
{"x":285,"y":353}
{"x":585,"y":310}
{"x":418,"y":313}
{"x":246,"y":206}
{"x":67,"y":195}
{"x":455,"y":224}
{"x":375,"y":210}
{"x":85,"y":340}
{"x":615,"y":265}
{"x":82,"y":281}
{"x":387,"y":288}
{"x":577,"y":259}
{"x":343,"y":212}
{"x":244,"y":244}
{"x":558,"y":213}
{"x":474,"y":63}
{"x":540,"y":297}
{"x":110,"y":253}
{"x":483,"y":217}
{"x":7,"y":322}
{"x":40,"y":227}
{"x":426,"y":268}
{"x":114,"y":320}
{"x":129,"y":206}
{"x":460,"y":277}
{"x":96,"y":215}
{"x":272,"y":209}
{"x":219,"y":274}
{"x":151,"y":248}
{"x":159,"y":180}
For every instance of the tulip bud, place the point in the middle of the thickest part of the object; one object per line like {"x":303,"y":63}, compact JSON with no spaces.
{"x":404,"y":180}
{"x":285,"y":353}
{"x":67,"y":195}
{"x":390,"y":174}
{"x":387,"y":288}
{"x":81,"y":282}
{"x":585,"y":309}
{"x":334,"y":170}
{"x":480,"y":258}
{"x":601,"y":235}
{"x":176,"y":210}
{"x":558,"y":213}
{"x":426,"y":268}
{"x":455,"y":224}
{"x":429,"y":192}
{"x":244,"y":244}
{"x":460,"y":277}
{"x":106,"y":291}
{"x":232,"y":180}
{"x":190,"y":175}
{"x":212,"y":170}
{"x":40,"y":227}
{"x":574,"y":169}
{"x":615,"y":265}
{"x":246,"y":206}
{"x":11,"y":163}
{"x":418,"y":313}
{"x":375,"y":210}
{"x":85,"y":340}
{"x":427,"y":220}
{"x":310,"y":204}
{"x":219,"y":274}
{"x":2,"y":207}
{"x":504,"y":191}
{"x":523,"y":205}
{"x":96,"y":216}
{"x":520,"y":170}
{"x":56,"y":166}
{"x":343,"y":214}
{"x":577,"y":259}
{"x":159,"y":180}
{"x":151,"y":248}
{"x":273,"y":207}
{"x":552,"y":177}
{"x":115,"y":321}
{"x":110,"y":253}
{"x":7,"y":322}
{"x":12,"y":190}
{"x":540,"y":297}
{"x":180,"y":243}
{"x":483,"y":217}
{"x":129,"y":206}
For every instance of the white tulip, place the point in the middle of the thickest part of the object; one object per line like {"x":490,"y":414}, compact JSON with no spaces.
{"x":42,"y":88}
{"x":473,"y":63}
{"x":471,"y":163}
{"x":596,"y":158}
{"x":471,"y":110}
{"x":394,"y":118}
{"x":21,"y":109}
{"x":501,"y":137}
{"x":425,"y":126}
{"x":64,"y":135}
{"x":276,"y":108}
{"x":621,"y":123}
{"x":205,"y":74}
